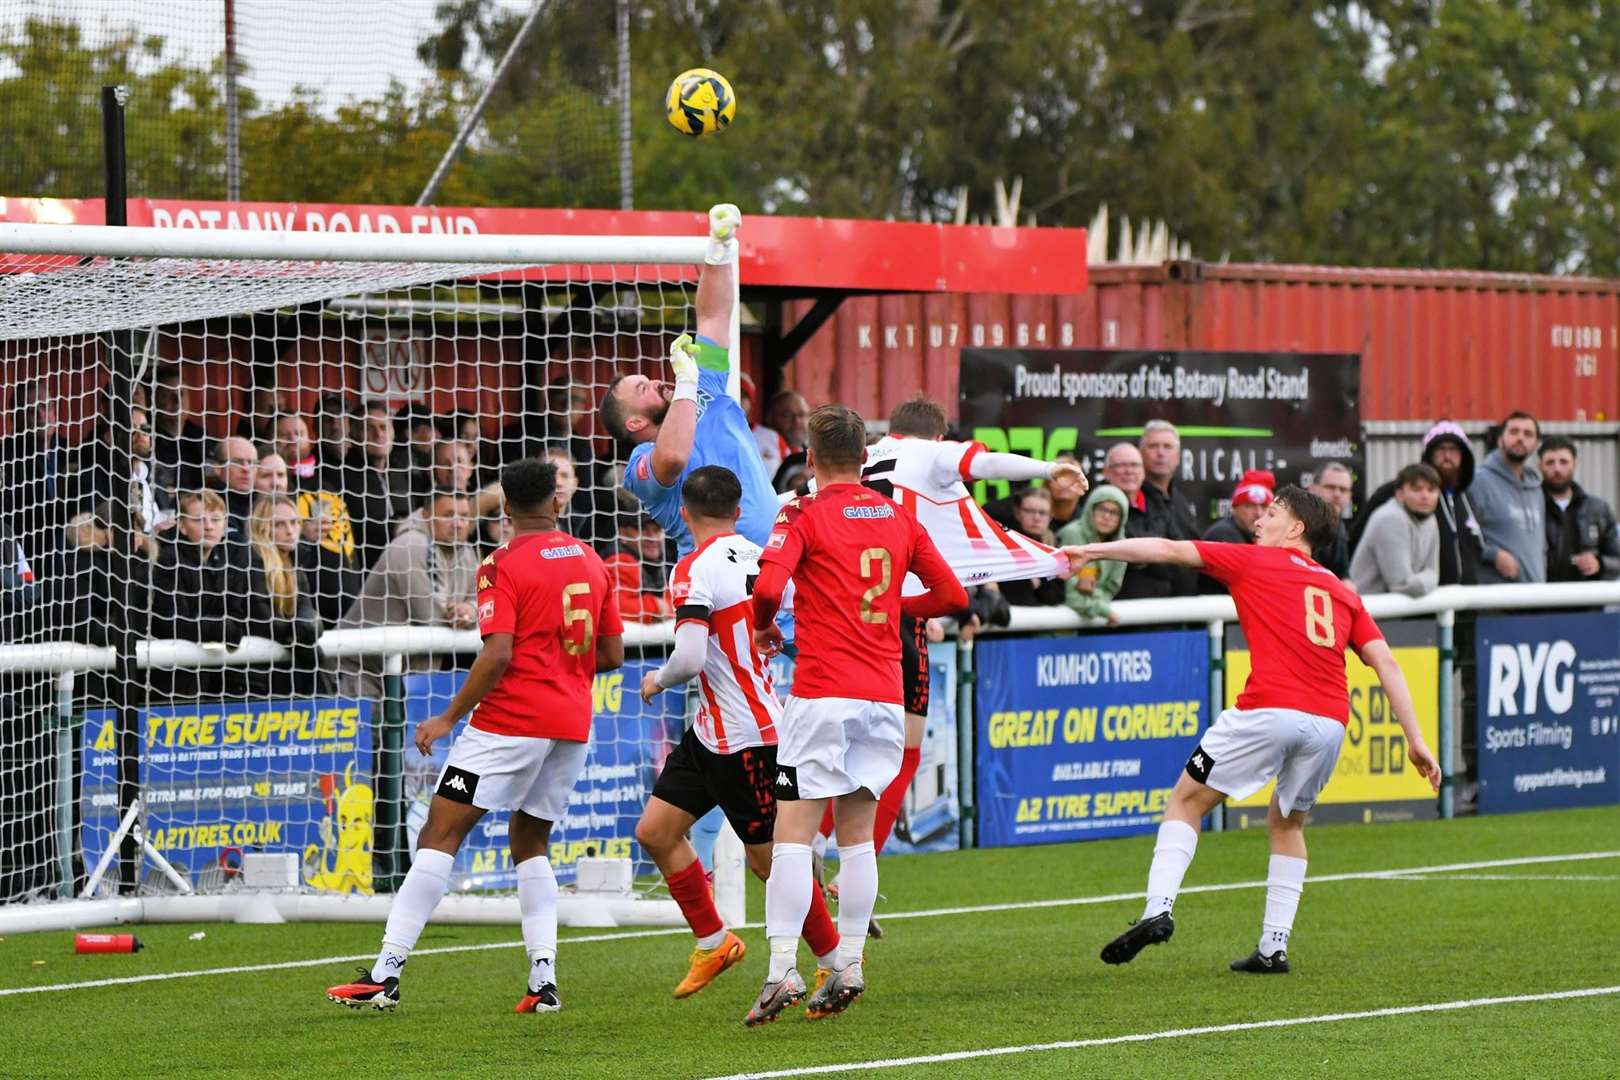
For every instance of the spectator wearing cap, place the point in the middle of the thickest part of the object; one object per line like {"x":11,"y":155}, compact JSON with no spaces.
{"x":786,"y":429}
{"x":1249,"y":500}
{"x":1512,"y":509}
{"x":1334,"y":484}
{"x":1447,"y":450}
{"x":1581,"y":540}
{"x":1400,"y":549}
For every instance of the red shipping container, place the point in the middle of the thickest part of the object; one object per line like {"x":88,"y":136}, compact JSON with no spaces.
{"x":1432,"y":343}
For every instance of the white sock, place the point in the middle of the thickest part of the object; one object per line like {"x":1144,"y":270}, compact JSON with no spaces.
{"x":424,"y":887}
{"x":857,"y":897}
{"x":1171,"y":856}
{"x":537,"y":903}
{"x":828,"y":960}
{"x":787,"y":902}
{"x":1285,"y":880}
{"x":711,"y":941}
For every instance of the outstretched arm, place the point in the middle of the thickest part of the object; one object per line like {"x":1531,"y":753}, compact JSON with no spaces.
{"x":1376,"y":655}
{"x":717,"y":290}
{"x":1146,"y":549}
{"x":989,"y":465}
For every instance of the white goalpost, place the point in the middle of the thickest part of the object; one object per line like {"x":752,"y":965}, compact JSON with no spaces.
{"x":226,"y":596}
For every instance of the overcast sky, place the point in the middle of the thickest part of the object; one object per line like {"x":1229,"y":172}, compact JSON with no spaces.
{"x":345,"y":48}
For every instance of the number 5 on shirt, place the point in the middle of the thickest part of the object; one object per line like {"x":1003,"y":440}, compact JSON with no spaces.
{"x":572,"y":615}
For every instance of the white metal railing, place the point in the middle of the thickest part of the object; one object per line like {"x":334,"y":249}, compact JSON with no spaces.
{"x":56,"y":657}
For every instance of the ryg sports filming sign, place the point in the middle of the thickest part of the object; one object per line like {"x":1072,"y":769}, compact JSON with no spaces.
{"x":1082,"y":738}
{"x":1373,"y":780}
{"x":1285,"y":412}
{"x":1549,"y":712}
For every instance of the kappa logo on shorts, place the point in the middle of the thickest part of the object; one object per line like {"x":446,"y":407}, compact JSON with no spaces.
{"x":1199,"y":764}
{"x":787,"y":783}
{"x":458,"y":785}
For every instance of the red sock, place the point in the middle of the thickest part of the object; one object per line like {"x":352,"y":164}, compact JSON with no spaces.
{"x":690,"y":888}
{"x":889,"y":806}
{"x":827,"y":821}
{"x":820,"y":932}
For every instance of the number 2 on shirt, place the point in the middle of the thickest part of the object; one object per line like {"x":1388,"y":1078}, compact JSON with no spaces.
{"x":1319,"y":617}
{"x":572,"y":615}
{"x":884,"y":563}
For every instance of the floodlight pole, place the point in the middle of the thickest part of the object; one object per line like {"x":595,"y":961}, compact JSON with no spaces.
{"x":460,"y":141}
{"x":121,"y":342}
{"x":233,"y":116}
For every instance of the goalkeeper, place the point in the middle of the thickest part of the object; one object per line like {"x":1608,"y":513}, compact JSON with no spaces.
{"x":679,"y":426}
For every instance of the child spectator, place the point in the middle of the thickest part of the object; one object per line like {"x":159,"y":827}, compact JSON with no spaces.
{"x":1400,"y":549}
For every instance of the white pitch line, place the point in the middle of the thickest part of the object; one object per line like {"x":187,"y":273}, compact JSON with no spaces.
{"x":931,"y":913}
{"x":1175,"y":1033}
{"x":1503,"y":877}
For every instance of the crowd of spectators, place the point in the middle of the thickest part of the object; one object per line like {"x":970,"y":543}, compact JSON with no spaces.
{"x":357,"y":516}
{"x":285,"y":527}
{"x":1520,"y":517}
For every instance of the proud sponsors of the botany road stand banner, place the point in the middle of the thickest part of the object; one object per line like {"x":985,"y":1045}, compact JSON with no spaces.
{"x":1549,"y":711}
{"x":219,"y":779}
{"x":1373,"y":781}
{"x":1080,"y":738}
{"x":1285,"y":412}
{"x":629,"y":741}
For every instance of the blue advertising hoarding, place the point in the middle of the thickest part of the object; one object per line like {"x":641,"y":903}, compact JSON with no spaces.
{"x":1549,"y":712}
{"x":222,"y":778}
{"x":1082,"y":738}
{"x":629,"y":742}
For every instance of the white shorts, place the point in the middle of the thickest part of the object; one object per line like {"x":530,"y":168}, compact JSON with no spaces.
{"x":1243,"y":749}
{"x":511,"y":772}
{"x":834,"y":746}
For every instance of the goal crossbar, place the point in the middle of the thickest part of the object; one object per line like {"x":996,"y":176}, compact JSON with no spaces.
{"x":303,"y":246}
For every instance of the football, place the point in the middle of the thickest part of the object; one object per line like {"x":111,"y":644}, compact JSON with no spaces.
{"x":700,"y":102}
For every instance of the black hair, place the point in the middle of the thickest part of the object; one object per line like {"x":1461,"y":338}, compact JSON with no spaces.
{"x":1558,"y":442}
{"x":1321,"y":521}
{"x":712,"y":492}
{"x":529,"y":484}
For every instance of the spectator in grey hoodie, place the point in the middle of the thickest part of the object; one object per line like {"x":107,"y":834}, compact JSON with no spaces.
{"x":1400,"y":549}
{"x":426,"y":576}
{"x":1508,"y":500}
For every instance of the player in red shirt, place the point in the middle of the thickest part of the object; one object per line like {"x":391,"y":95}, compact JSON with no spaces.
{"x":1289,"y":721}
{"x":728,"y":756}
{"x":847,"y":549}
{"x":549,"y":623}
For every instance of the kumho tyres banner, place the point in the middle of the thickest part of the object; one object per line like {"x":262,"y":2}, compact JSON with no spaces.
{"x":1373,"y":781}
{"x":1549,"y":712}
{"x":629,"y":742}
{"x":1081,"y":738}
{"x":223,"y":778}
{"x":1285,"y":412}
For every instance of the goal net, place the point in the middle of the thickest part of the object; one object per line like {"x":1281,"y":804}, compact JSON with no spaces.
{"x":245,"y":485}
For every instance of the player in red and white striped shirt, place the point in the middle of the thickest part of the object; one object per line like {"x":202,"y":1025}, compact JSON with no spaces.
{"x":728,"y":757}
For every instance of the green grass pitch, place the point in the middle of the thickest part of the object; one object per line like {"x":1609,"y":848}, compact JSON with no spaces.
{"x":940,"y":983}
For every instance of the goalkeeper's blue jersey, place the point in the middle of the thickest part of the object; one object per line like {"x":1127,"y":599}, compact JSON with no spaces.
{"x":723,"y":437}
